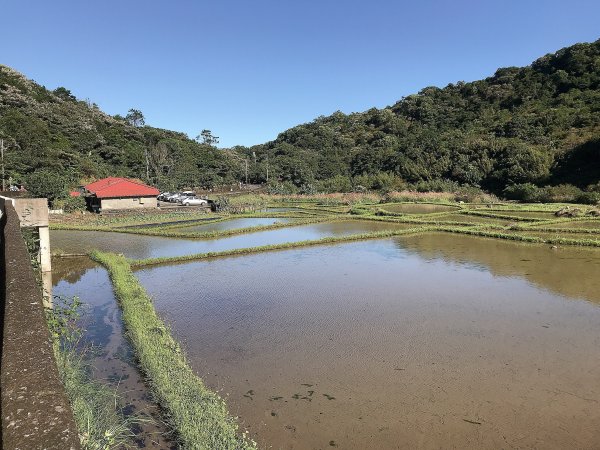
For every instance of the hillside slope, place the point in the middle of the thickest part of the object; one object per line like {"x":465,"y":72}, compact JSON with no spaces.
{"x":52,"y":130}
{"x":538,"y":124}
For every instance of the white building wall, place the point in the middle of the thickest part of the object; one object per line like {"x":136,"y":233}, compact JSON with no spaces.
{"x":128,"y":203}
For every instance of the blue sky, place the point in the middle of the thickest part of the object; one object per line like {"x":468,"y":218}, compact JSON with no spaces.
{"x":249,"y":69}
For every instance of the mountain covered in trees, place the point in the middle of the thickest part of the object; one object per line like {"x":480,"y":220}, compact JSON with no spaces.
{"x":52,"y":132}
{"x":538,"y":124}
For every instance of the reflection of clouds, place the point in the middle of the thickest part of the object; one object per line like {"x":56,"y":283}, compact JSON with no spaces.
{"x":567,"y":271}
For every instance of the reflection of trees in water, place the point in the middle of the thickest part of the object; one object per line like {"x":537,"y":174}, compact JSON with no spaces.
{"x":70,"y":269}
{"x":566,"y":271}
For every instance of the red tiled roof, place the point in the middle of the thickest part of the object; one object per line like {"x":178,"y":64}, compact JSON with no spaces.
{"x":113,"y":187}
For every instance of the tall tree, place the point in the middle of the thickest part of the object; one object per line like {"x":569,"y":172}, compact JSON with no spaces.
{"x":135,"y":118}
{"x":206,"y":137}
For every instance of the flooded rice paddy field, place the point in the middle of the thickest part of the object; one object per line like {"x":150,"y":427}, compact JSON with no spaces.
{"x":547,"y":215}
{"x":467,"y":218}
{"x":589,"y":224}
{"x":432,"y":341}
{"x":140,"y":246}
{"x":427,"y":341}
{"x":108,"y":352}
{"x":233,"y":224}
{"x":560,"y":235}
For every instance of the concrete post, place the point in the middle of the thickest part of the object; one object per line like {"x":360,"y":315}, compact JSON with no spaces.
{"x":45,"y":259}
{"x":47,"y":289}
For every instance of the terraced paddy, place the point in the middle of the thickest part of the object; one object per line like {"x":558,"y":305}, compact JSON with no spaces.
{"x":558,"y":235}
{"x":546,"y":215}
{"x":140,"y":246}
{"x":232,"y":224}
{"x":418,"y":208}
{"x":573,"y":224}
{"x":430,"y":340}
{"x":110,"y":356}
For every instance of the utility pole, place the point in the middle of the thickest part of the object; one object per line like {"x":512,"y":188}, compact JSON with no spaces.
{"x":147,"y":164}
{"x":2,"y":152}
{"x":246,"y":170}
{"x":267,"y":168}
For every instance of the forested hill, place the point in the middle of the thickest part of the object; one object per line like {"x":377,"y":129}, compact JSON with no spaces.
{"x":537,"y":124}
{"x":54,"y":133}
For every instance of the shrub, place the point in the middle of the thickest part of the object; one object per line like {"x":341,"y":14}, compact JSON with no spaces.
{"x":594,"y":187}
{"x":283,"y":188}
{"x":380,"y":181}
{"x":436,"y":186}
{"x":339,"y":183}
{"x":470,"y":194}
{"x":563,"y":193}
{"x":71,"y":204}
{"x":47,"y":183}
{"x":525,"y":192}
{"x":588,"y":198}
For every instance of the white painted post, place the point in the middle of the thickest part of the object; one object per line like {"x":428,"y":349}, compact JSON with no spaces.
{"x":45,"y":257}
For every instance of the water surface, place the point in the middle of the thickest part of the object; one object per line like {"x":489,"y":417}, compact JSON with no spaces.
{"x":590,"y":224}
{"x":233,"y":224}
{"x":109,"y":353}
{"x":139,"y":246}
{"x":430,"y":341}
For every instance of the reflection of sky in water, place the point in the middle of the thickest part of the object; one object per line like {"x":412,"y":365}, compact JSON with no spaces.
{"x":232,"y":224}
{"x":93,"y":287}
{"x":138,"y":246}
{"x":462,"y":317}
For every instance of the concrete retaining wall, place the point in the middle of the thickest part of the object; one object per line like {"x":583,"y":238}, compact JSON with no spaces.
{"x":34,"y":406}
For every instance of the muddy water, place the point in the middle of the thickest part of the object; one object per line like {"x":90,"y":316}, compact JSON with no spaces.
{"x":559,"y":235}
{"x":418,"y":208}
{"x":436,"y":341}
{"x":233,"y":224}
{"x":138,"y":246}
{"x":112,"y":359}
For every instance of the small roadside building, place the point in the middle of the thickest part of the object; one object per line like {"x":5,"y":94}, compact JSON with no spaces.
{"x":119,"y":193}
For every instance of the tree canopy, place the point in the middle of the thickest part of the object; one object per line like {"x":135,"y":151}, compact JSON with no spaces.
{"x":538,"y":124}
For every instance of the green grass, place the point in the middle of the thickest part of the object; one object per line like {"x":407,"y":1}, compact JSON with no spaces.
{"x":99,"y":421}
{"x":96,"y":407}
{"x":500,"y":215}
{"x":198,"y":416}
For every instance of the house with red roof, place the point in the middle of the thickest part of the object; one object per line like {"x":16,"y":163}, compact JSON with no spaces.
{"x":120,"y":193}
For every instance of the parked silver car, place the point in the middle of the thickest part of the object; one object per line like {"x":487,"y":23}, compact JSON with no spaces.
{"x":179,"y":197}
{"x":194,"y":201}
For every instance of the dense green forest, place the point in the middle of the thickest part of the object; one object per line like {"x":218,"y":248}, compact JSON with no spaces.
{"x":520,"y":128}
{"x":52,"y":134}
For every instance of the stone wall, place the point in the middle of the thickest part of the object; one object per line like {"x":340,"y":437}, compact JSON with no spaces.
{"x":35,"y":409}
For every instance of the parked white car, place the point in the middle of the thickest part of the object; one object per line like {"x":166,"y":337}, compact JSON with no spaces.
{"x":193,"y":201}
